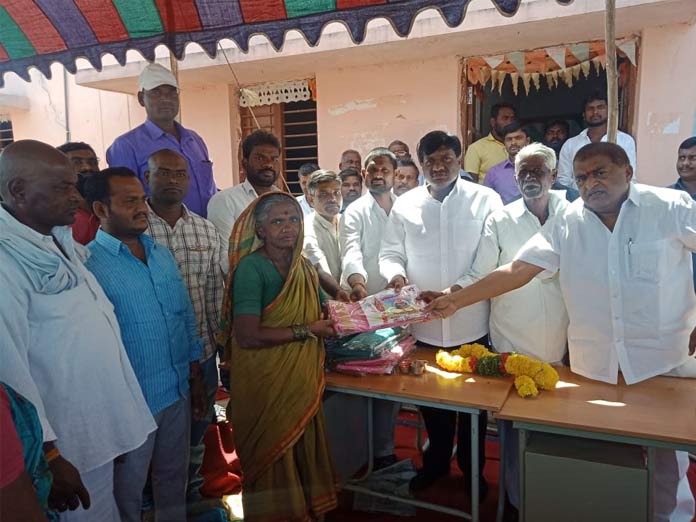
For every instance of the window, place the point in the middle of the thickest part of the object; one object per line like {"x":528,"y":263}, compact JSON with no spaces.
{"x":295,"y":125}
{"x":6,"y":136}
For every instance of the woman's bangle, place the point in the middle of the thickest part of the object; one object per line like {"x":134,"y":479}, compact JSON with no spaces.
{"x":52,"y":454}
{"x":358,"y":283}
{"x":301,"y":332}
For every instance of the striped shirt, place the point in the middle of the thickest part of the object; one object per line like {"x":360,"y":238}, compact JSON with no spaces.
{"x":197,"y":248}
{"x":154,"y":312}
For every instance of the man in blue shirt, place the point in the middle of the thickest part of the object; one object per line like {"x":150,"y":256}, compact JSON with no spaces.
{"x":158,"y":327}
{"x":159,"y":94}
{"x":686,"y":168}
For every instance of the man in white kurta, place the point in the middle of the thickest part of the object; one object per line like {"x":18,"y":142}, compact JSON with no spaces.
{"x":531,"y":320}
{"x":430,"y":240}
{"x":595,"y":114}
{"x":61,"y":344}
{"x":623,"y":253}
{"x":361,"y":233}
{"x":321,"y":244}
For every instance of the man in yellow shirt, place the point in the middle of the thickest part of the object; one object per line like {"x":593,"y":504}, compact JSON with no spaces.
{"x":490,"y":150}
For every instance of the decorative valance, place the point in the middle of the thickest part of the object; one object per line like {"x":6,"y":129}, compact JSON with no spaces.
{"x":563,"y":63}
{"x":276,"y":92}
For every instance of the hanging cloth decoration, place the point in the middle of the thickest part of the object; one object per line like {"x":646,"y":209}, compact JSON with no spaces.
{"x":581,"y":51}
{"x":569,"y":62}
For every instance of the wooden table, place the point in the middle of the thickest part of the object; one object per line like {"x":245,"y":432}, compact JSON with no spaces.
{"x":657,"y":413}
{"x":436,"y":388}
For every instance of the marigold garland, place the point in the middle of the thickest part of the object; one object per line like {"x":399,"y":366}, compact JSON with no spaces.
{"x":530,"y":374}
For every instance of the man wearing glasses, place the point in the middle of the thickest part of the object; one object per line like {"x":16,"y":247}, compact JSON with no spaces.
{"x":159,"y":94}
{"x":84,"y":163}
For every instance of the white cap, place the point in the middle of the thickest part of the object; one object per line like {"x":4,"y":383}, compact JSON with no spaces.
{"x":155,"y":75}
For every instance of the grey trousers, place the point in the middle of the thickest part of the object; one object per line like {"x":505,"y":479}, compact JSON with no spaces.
{"x":384,"y":414}
{"x":166,"y":454}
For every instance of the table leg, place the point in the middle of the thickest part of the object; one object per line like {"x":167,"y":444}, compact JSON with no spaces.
{"x":500,"y":511}
{"x":651,"y":480}
{"x":474,"y":466}
{"x":523,"y":445}
{"x":370,"y":443}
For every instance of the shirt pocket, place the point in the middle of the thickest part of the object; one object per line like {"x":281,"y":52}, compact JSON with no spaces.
{"x":645,"y":260}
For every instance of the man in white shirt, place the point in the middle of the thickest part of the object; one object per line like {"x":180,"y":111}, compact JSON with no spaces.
{"x":261,"y":163}
{"x":61,"y":344}
{"x":321,"y":245}
{"x":531,"y":320}
{"x":624,"y":258}
{"x":361,"y":233}
{"x":431,"y":238}
{"x":595,"y":112}
{"x":303,"y":175}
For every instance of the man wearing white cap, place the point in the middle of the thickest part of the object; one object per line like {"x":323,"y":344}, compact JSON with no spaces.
{"x":158,"y":92}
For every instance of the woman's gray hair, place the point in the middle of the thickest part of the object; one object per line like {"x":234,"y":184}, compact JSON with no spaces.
{"x":536,"y":149}
{"x":263,"y":207}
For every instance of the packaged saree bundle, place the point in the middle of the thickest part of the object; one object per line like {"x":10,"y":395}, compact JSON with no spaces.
{"x":364,"y":346}
{"x":383,"y":365}
{"x":381,"y":310}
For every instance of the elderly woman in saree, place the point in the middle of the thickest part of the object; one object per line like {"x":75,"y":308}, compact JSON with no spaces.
{"x":272,"y":330}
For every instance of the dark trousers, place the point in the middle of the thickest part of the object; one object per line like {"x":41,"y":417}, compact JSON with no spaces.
{"x":441,"y":425}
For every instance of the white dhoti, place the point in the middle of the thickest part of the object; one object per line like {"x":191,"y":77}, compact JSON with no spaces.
{"x":673,"y":499}
{"x":100,"y":485}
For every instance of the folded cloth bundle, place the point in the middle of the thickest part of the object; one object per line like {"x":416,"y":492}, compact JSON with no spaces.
{"x":364,"y":346}
{"x":384,"y":365}
{"x":381,"y":310}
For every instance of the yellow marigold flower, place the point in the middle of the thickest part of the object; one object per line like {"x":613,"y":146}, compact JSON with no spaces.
{"x":525,"y":386}
{"x":453,"y":363}
{"x":547,"y":377}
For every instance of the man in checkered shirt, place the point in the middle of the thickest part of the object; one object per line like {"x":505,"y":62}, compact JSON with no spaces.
{"x":196,"y":246}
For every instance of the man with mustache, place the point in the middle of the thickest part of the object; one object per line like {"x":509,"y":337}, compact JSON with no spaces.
{"x":430,"y":239}
{"x":303,"y":174}
{"x":61,"y":347}
{"x":196,"y":246}
{"x":556,"y":134}
{"x":361,"y":233}
{"x":158,"y":93}
{"x":141,"y":278}
{"x":686,"y":168}
{"x":596,"y":113}
{"x":261,"y":164}
{"x":532,"y":320}
{"x":407,"y":176}
{"x":623,"y":258}
{"x":85,"y":163}
{"x":501,"y":177}
{"x":490,"y":150}
{"x":321,"y":245}
{"x":351,"y":186}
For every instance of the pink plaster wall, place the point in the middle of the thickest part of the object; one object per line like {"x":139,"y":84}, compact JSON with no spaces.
{"x":365,"y":107}
{"x":666,"y":100}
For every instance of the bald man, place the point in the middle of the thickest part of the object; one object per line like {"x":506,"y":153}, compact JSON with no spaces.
{"x":202,"y":261}
{"x":61,"y":346}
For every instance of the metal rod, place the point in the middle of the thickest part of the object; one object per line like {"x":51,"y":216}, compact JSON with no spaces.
{"x":474,"y":466}
{"x":413,"y":502}
{"x":612,"y":70}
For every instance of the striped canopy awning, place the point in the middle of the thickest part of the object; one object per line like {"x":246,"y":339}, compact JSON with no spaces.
{"x":37,"y":33}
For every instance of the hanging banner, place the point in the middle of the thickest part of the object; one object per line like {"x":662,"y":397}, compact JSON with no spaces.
{"x":628,"y":47}
{"x":581,"y":51}
{"x":535,"y":79}
{"x":557,"y":54}
{"x":517,"y":60}
{"x":514,"y":77}
{"x":494,"y":61}
{"x":526,"y":81}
